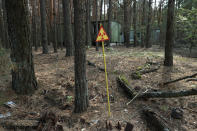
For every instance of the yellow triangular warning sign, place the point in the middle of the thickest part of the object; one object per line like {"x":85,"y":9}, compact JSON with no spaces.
{"x":102,"y":35}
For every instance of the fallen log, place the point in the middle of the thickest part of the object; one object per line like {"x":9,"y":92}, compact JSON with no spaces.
{"x":137,"y":74}
{"x":94,"y":65}
{"x":19,"y":123}
{"x":155,"y":94}
{"x":127,"y":89}
{"x":154,"y":121}
{"x":179,"y":79}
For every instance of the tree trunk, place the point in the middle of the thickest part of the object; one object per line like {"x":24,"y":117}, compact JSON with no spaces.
{"x":81,"y":88}
{"x":88,"y":24}
{"x":54,"y":27}
{"x":59,"y":34}
{"x":109,"y":22}
{"x":68,"y":34}
{"x":101,"y":9}
{"x":127,"y":24}
{"x":1,"y":30}
{"x":143,"y":24}
{"x":148,"y":28}
{"x":34,"y":25}
{"x":104,"y":10}
{"x":134,"y":23}
{"x":96,"y":19}
{"x":169,"y":34}
{"x":5,"y":26}
{"x":44,"y":27}
{"x":23,"y":75}
{"x":160,"y":23}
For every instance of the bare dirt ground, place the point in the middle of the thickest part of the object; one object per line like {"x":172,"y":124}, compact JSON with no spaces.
{"x":55,"y":74}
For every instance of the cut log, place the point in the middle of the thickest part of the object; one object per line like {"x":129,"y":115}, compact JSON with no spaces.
{"x":155,"y":94}
{"x":19,"y":123}
{"x":154,"y":121}
{"x":179,"y":79}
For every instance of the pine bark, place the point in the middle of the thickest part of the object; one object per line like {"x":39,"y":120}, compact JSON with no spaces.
{"x":134,"y":23}
{"x":109,"y":22}
{"x":44,"y":27}
{"x":5,"y":26}
{"x":68,"y":34}
{"x":34,"y":25}
{"x":143,"y":24}
{"x":101,"y":9}
{"x":23,"y":75}
{"x":88,"y":24}
{"x":127,"y":23}
{"x":169,"y":34}
{"x":54,"y":27}
{"x":148,"y":28}
{"x":96,"y":19}
{"x":81,"y":88}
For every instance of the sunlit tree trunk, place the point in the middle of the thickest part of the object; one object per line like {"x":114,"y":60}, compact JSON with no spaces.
{"x":23,"y":76}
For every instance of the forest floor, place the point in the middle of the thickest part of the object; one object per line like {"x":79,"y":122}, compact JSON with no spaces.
{"x":55,"y":75}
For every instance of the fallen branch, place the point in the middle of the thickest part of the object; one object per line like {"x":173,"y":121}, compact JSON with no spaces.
{"x":154,"y":121}
{"x":94,"y":65}
{"x":155,"y":94}
{"x":179,"y":79}
{"x":19,"y":123}
{"x":191,"y":80}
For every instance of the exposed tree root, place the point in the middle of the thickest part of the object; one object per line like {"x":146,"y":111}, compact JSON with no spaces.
{"x":179,"y":79}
